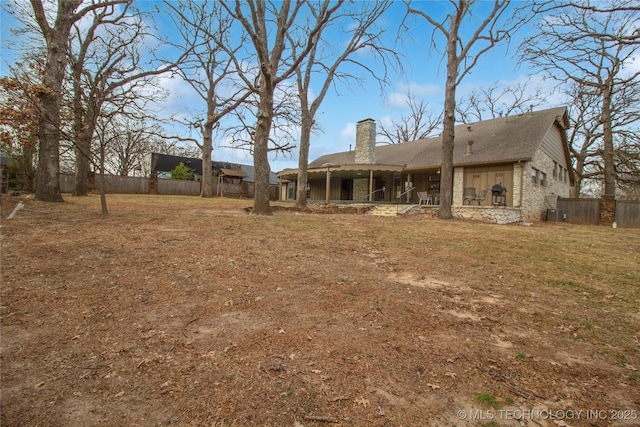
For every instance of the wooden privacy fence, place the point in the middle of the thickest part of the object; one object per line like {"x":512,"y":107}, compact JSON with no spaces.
{"x":140,"y":185}
{"x":628,"y":213}
{"x":588,"y":211}
{"x":178,"y":187}
{"x":114,"y":184}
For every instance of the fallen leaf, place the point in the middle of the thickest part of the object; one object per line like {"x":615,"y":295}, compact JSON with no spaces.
{"x":450,"y":374}
{"x":40,"y":384}
{"x":362,"y":401}
{"x":119,"y":394}
{"x":433,"y":386}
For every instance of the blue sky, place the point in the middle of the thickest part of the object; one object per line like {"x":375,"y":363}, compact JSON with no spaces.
{"x":424,"y":76}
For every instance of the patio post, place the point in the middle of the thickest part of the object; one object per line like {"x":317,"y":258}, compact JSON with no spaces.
{"x":328,"y":183}
{"x":371,"y":185}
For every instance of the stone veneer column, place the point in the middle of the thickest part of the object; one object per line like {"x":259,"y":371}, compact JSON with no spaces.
{"x":458,"y":184}
{"x":516,"y":197}
{"x":366,"y":142}
{"x":360,"y":189}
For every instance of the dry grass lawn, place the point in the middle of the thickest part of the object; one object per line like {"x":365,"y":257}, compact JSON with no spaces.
{"x":192,"y":312}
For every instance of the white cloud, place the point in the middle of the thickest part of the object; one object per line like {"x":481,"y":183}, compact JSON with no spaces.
{"x":398,"y":99}
{"x":348,"y":133}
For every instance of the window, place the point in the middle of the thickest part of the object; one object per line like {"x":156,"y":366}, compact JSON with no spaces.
{"x":543,"y":179}
{"x":555,"y":170}
{"x":534,"y":176}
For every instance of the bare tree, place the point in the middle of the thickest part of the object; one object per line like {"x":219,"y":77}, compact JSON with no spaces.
{"x":240,"y":133}
{"x":498,"y":100}
{"x":109,"y":73}
{"x":628,"y":166}
{"x":584,"y":134}
{"x":419,"y":124}
{"x":323,"y":62}
{"x":486,"y":26}
{"x":209,"y":70}
{"x":134,"y":140}
{"x":56,"y":36}
{"x":270,"y":26}
{"x":591,"y":46}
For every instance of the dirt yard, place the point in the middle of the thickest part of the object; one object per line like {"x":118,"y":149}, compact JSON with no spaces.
{"x":192,"y":312}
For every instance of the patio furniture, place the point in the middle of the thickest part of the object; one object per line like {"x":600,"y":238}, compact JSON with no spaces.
{"x":468,"y":195}
{"x":480,"y":197}
{"x":423,"y":198}
{"x":499,"y":195}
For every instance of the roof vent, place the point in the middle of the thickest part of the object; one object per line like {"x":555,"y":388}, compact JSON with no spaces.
{"x":469,"y":144}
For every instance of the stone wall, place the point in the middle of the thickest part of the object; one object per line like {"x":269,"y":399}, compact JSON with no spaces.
{"x":494,"y":215}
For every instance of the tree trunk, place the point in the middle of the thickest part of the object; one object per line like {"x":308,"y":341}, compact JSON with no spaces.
{"x":48,"y":180}
{"x":448,"y":124}
{"x":607,"y":137}
{"x":578,"y":170}
{"x":206,"y":189}
{"x":103,"y":184}
{"x":303,"y":161}
{"x":83,"y":153}
{"x":27,"y":171}
{"x":262,"y":170}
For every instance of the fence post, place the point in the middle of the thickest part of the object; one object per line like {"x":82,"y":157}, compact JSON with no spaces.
{"x":153,"y":184}
{"x":607,"y":210}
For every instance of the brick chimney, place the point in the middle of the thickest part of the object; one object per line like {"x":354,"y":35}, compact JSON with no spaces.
{"x":366,"y":142}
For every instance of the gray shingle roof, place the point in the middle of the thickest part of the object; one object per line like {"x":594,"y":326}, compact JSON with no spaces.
{"x":504,"y":139}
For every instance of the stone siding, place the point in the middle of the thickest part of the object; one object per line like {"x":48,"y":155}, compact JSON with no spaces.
{"x":360,"y":189}
{"x":366,"y":142}
{"x":537,"y":198}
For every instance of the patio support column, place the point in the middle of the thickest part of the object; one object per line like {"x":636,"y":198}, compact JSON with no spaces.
{"x":327,"y":184}
{"x":410,"y":193}
{"x":371,"y":185}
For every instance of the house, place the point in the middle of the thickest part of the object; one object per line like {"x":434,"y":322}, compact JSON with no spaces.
{"x":527,"y":156}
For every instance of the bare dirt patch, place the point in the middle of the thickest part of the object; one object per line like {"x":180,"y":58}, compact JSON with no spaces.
{"x":185,"y":311}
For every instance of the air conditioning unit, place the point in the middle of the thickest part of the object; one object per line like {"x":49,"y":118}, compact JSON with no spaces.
{"x":555,"y":215}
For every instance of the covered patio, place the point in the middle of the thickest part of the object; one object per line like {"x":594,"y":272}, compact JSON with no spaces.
{"x":361,"y":183}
